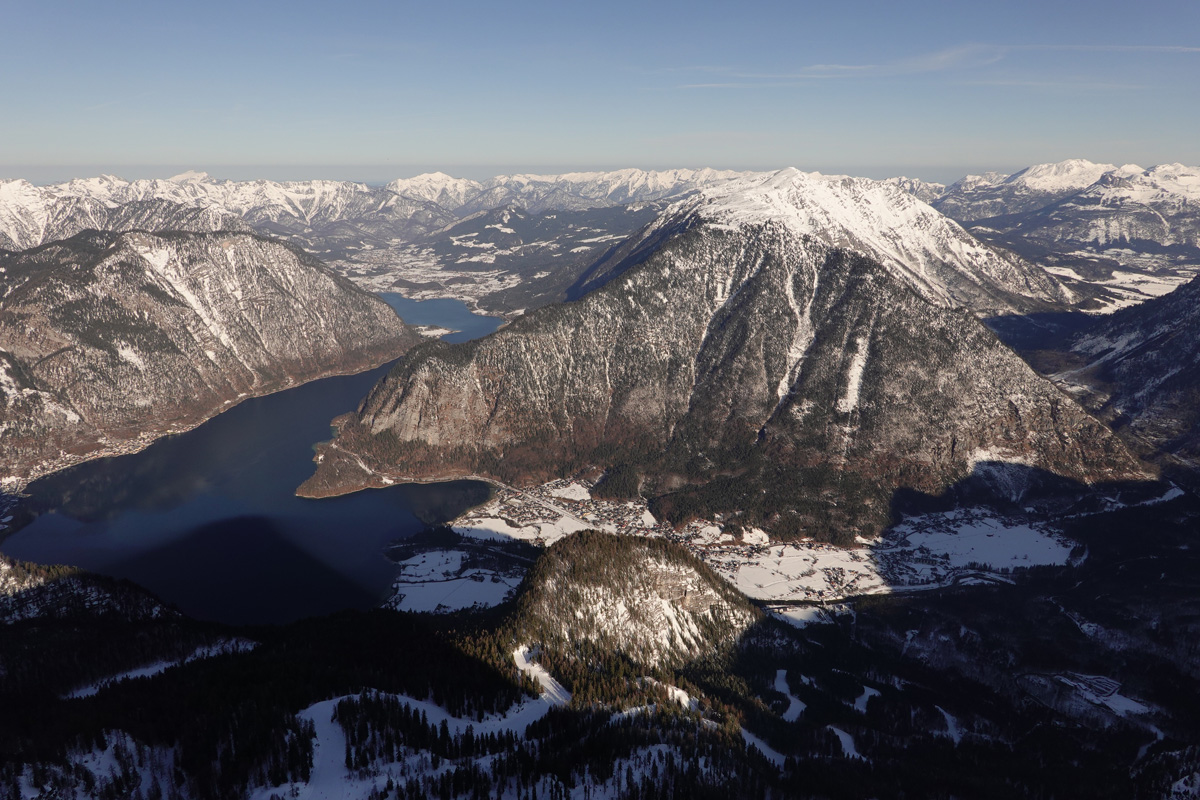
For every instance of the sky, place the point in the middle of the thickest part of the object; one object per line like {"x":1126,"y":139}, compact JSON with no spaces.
{"x":378,"y":90}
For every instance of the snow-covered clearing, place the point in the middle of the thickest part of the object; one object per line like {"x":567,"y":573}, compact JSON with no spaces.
{"x":964,"y":546}
{"x":803,"y":616}
{"x":572,"y":491}
{"x":553,"y":692}
{"x":795,"y":705}
{"x":774,"y":756}
{"x":676,"y":694}
{"x":860,"y":704}
{"x":158,"y":667}
{"x":330,"y":780}
{"x":438,"y":581}
{"x":848,"y":748}
{"x":543,"y":532}
{"x":952,"y":729}
{"x":1102,"y":691}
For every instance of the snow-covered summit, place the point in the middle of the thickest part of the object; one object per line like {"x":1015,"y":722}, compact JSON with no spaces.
{"x":1162,"y":183}
{"x":191,"y":176}
{"x":972,"y":182}
{"x":1062,"y":176}
{"x":925,"y":191}
{"x":437,"y":187}
{"x":883,"y":221}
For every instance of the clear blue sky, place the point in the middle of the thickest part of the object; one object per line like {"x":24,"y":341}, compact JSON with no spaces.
{"x":372,"y":91}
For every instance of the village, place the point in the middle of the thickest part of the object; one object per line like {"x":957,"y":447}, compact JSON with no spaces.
{"x":935,"y":550}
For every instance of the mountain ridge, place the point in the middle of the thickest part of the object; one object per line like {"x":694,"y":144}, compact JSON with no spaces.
{"x":110,"y":340}
{"x":738,"y":352}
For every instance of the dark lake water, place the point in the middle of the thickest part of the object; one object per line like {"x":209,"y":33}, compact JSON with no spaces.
{"x":209,"y":521}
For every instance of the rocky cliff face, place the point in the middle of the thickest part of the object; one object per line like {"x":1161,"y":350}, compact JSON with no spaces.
{"x":749,"y":361}
{"x":110,"y":340}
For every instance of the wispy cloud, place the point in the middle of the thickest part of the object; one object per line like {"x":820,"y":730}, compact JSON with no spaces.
{"x":1108,"y":48}
{"x":1069,"y":85}
{"x":957,"y":59}
{"x":960,"y":57}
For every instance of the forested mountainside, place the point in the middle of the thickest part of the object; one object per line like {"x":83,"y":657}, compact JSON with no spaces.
{"x":1071,"y":681}
{"x":647,"y":600}
{"x":109,"y":340}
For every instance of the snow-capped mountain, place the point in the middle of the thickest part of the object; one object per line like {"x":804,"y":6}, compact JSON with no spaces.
{"x":580,"y":190}
{"x":925,"y":191}
{"x":881,"y":220}
{"x":978,"y":197}
{"x":1129,"y":235}
{"x":781,"y":330}
{"x":438,"y":187}
{"x":322,"y":215}
{"x":31,"y":215}
{"x":110,"y":340}
{"x":1157,"y":207}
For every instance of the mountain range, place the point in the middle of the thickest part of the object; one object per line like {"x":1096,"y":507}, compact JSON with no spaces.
{"x":786,"y":350}
{"x":1114,"y":235}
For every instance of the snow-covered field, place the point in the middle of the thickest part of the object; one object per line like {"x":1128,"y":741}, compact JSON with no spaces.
{"x":381,"y":269}
{"x":924,"y":552}
{"x":331,"y":780}
{"x":441,"y":581}
{"x":795,"y":705}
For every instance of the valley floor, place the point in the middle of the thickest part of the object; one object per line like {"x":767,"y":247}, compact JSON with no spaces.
{"x":929,"y":551}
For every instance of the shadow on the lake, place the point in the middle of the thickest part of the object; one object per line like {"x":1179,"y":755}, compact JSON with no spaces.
{"x":242,"y":570}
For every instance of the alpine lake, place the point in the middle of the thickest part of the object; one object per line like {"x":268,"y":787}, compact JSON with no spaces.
{"x":208,"y":520}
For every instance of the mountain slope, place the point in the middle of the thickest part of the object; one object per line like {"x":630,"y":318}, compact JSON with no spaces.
{"x":648,"y":600}
{"x":746,"y":362}
{"x":1143,"y":371}
{"x":108,"y":340}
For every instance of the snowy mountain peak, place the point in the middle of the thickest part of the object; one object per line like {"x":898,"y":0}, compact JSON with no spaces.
{"x":1062,"y":176}
{"x":437,"y":187}
{"x":969,"y":183}
{"x":1171,"y":183}
{"x":191,"y":176}
{"x":884,"y":222}
{"x":925,"y":191}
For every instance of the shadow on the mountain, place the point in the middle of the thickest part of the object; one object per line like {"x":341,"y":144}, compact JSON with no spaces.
{"x":1012,"y":488}
{"x":271,"y":580}
{"x":1047,"y":330}
{"x":619,"y":260}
